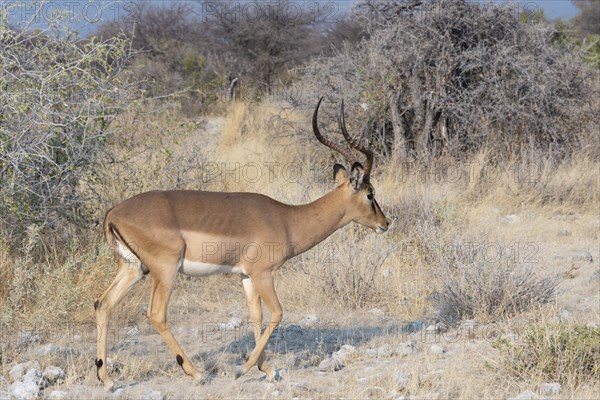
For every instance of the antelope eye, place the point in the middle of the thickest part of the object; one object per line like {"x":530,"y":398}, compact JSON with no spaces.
{"x":370,"y":196}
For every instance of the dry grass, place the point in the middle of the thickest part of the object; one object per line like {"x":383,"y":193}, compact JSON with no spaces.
{"x":353,"y":270}
{"x":565,"y":353}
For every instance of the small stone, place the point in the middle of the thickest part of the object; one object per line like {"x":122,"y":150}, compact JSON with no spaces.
{"x":152,"y":395}
{"x":57,"y":395}
{"x":120,"y":392}
{"x":511,"y":219}
{"x":437,"y":349}
{"x":526,"y":395}
{"x":35,"y":376}
{"x":309,"y":321}
{"x":595,"y":276}
{"x":17,"y":372}
{"x":385,"y":273}
{"x":550,"y":388}
{"x":377,"y":312}
{"x":413,"y":326}
{"x":49,"y":349}
{"x":582,"y":255}
{"x":24,"y":390}
{"x":53,"y":374}
{"x":331,"y":364}
{"x":385,"y":351}
{"x":345,"y":351}
{"x":231,"y":325}
{"x":404,"y":349}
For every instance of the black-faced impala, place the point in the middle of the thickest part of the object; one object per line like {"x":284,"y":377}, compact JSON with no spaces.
{"x":197,"y":233}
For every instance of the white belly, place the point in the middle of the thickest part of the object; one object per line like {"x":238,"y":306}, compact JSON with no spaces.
{"x":195,"y":268}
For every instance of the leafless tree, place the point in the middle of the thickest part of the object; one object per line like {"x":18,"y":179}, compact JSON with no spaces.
{"x":58,"y":100}
{"x":450,"y":76}
{"x":588,"y":20}
{"x":263,"y":38}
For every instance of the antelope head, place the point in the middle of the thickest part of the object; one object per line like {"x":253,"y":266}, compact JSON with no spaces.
{"x":360,"y":202}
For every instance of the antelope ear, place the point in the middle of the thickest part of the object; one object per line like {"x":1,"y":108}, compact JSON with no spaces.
{"x":356,"y":175}
{"x":340,"y":175}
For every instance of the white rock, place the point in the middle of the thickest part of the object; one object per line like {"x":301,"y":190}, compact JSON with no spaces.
{"x":385,"y":351}
{"x":231,"y":325}
{"x":309,"y":321}
{"x":24,"y":391}
{"x":53,"y":374}
{"x":404,"y":349}
{"x":34,"y":376}
{"x":512,"y":219}
{"x":57,"y":395}
{"x":17,"y":372}
{"x":437,"y":349}
{"x":377,"y":312}
{"x":331,"y":364}
{"x":152,"y":395}
{"x":550,"y":388}
{"x":120,"y":392}
{"x":526,"y":395}
{"x":53,"y":349}
{"x":345,"y":351}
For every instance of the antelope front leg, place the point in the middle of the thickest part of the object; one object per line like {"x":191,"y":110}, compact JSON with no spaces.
{"x":255,"y":313}
{"x":264,"y":288}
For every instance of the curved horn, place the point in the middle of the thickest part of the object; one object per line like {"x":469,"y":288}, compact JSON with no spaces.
{"x":334,"y":146}
{"x":355,"y":144}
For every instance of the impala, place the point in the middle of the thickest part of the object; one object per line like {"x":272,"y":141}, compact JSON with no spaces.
{"x":201,"y":233}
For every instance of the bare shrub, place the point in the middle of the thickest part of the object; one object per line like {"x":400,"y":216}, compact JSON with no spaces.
{"x":474,"y":283}
{"x":349,"y":272}
{"x":59,"y":99}
{"x":263,"y":40}
{"x":449,"y":76}
{"x":569,"y":354}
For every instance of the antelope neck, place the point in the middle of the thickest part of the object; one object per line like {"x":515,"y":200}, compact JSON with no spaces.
{"x":311,"y":223}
